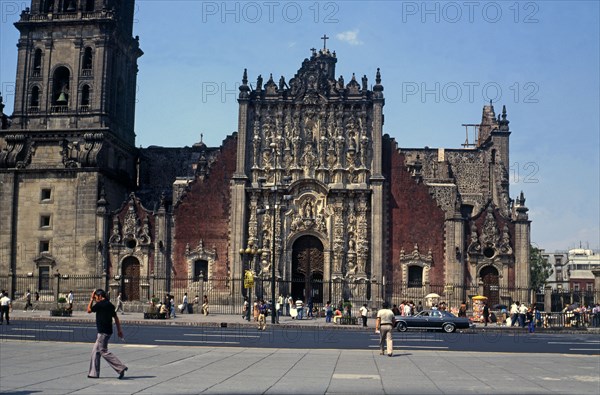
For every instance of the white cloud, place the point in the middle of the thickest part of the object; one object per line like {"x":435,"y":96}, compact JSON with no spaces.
{"x":351,"y":37}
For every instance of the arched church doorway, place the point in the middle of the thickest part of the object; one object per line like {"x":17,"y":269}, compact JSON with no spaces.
{"x":307,"y":269}
{"x":131,"y":279}
{"x":491,"y":284}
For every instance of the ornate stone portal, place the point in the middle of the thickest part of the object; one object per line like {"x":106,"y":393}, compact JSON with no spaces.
{"x":307,"y":153}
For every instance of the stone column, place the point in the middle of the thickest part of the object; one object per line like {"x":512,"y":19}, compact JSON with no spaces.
{"x":547,"y":299}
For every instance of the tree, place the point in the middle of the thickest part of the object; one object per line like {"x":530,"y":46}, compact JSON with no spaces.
{"x":539,"y":268}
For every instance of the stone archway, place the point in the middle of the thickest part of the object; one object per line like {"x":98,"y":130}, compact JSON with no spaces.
{"x":131,"y":278}
{"x":307,"y":269}
{"x":491,"y":284}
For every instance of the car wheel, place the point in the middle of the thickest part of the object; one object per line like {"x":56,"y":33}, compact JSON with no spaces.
{"x":402,"y":327}
{"x":449,"y":328}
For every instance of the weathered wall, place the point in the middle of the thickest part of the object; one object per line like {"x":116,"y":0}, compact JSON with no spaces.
{"x":203,"y":213}
{"x":413,"y":217}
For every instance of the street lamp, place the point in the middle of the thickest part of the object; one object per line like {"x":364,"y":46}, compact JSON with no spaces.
{"x":249,"y":253}
{"x":274,"y":208}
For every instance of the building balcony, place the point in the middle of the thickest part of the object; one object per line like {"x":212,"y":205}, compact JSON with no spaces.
{"x":59,"y":109}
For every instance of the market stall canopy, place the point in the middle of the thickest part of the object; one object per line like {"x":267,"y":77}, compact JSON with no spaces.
{"x":431,"y":296}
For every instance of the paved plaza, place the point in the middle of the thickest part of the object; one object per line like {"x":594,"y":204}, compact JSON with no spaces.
{"x":61,"y":368}
{"x":28,"y":367}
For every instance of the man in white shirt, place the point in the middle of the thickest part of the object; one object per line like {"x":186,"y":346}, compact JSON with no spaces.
{"x":514,"y":314}
{"x":184,"y":303}
{"x":384,"y":326}
{"x":299,"y":308}
{"x":4,"y":308}
{"x":522,"y":314}
{"x":363,"y":314}
{"x":70,"y":300}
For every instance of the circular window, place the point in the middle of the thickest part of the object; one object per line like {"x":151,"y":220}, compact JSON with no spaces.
{"x":489,"y":252}
{"x":131,"y":243}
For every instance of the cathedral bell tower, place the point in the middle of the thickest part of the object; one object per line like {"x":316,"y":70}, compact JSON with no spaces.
{"x":68,"y":155}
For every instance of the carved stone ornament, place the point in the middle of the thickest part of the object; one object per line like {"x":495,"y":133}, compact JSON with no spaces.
{"x":415,"y":258}
{"x":200,"y":253}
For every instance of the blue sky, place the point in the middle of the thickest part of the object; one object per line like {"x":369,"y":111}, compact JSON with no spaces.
{"x":440,"y":63}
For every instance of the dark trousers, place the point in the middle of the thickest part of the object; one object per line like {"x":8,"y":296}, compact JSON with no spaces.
{"x":364,"y":318}
{"x":4,"y":313}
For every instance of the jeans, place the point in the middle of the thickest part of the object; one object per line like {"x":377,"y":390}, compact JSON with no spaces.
{"x":300,"y":313}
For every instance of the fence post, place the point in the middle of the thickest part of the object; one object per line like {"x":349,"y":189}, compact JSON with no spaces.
{"x":596,"y":274}
{"x":56,"y":286}
{"x":548,"y":299}
{"x":12,"y":284}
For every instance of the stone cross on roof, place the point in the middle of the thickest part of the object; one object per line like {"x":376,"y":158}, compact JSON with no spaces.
{"x":325,"y":38}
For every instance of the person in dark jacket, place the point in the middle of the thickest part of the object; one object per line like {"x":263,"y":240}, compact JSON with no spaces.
{"x":486,"y":313}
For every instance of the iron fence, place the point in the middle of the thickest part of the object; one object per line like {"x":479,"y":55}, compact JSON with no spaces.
{"x":225,"y":295}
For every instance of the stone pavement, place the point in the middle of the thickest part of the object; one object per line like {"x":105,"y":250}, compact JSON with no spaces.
{"x":61,"y":368}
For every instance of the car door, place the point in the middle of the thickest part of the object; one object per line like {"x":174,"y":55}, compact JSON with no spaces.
{"x":418,"y":321}
{"x":435,"y":320}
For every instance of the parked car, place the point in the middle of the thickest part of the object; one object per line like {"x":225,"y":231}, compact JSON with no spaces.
{"x":434,"y":320}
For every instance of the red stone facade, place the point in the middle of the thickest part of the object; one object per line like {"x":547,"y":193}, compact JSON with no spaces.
{"x":203,"y":213}
{"x":414,"y":217}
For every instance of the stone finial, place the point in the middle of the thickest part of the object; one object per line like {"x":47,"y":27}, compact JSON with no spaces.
{"x":244,"y":89}
{"x":378,"y":77}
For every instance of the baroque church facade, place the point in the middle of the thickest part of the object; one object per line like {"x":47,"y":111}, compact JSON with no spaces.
{"x":326,"y":202}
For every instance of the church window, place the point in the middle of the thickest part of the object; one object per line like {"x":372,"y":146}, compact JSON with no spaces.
{"x":85,"y":97}
{"x":60,"y":87}
{"x":37,"y":63}
{"x":415,"y":276}
{"x":201,"y":269}
{"x":68,"y":6}
{"x":86,"y":64}
{"x":44,"y":278}
{"x":89,"y":5}
{"x":44,"y":246}
{"x":466,"y":210}
{"x":48,"y":5}
{"x":45,"y":221}
{"x":46,"y":194}
{"x":34,"y":102}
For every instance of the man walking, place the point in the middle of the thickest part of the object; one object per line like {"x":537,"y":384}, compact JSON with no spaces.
{"x":120,"y":304}
{"x":70,"y":300}
{"x":28,"y":300}
{"x":299,"y":308}
{"x":5,"y":305}
{"x":363,"y":314}
{"x":105,"y":313}
{"x":184,"y":303}
{"x":384,"y":326}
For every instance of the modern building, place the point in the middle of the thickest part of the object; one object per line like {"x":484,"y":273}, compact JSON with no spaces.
{"x":579,"y":268}
{"x":558,"y":280}
{"x":335,"y":204}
